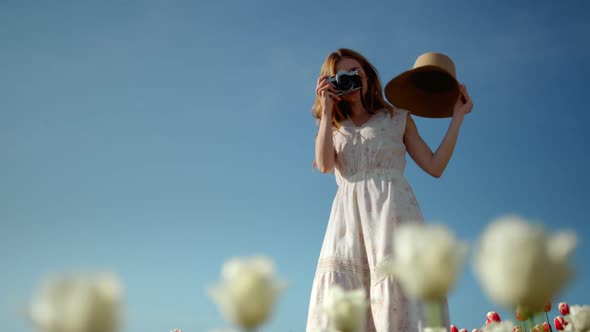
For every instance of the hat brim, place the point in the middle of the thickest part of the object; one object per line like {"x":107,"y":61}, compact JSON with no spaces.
{"x":427,"y":91}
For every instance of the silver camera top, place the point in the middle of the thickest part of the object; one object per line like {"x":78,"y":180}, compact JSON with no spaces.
{"x":346,"y":81}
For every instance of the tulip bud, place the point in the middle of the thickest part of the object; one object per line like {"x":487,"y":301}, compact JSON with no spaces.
{"x":559,"y":322}
{"x":492,"y":316}
{"x":454,"y":328}
{"x":463,"y":330}
{"x":546,"y":327}
{"x":564,"y":308}
{"x":547,"y":307}
{"x":476,"y":330}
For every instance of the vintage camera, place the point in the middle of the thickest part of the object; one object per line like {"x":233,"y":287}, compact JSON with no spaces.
{"x":346,"y":82}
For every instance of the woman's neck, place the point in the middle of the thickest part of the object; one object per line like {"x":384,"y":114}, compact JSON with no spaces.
{"x":357,"y":110}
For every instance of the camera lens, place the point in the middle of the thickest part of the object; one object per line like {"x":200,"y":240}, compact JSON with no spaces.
{"x":344,"y":83}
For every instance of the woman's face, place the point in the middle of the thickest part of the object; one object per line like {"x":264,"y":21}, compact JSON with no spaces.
{"x":348,"y":64}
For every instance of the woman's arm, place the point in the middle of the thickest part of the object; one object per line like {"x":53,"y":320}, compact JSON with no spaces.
{"x":325,"y":154}
{"x":435,"y":163}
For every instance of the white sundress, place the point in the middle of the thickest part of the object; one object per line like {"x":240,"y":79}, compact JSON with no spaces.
{"x":373,"y":197}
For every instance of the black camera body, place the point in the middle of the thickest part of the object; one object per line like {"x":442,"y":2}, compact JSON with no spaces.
{"x":346,"y":82}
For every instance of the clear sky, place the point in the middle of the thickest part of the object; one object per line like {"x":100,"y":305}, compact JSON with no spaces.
{"x":157,"y":139}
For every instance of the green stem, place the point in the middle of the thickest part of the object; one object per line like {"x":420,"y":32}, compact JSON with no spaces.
{"x":433,"y":316}
{"x":525,"y":328}
{"x":548,"y":322}
{"x":516,"y":320}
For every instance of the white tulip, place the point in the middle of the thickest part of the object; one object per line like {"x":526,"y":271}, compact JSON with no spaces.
{"x":426,"y":260}
{"x":248,"y":291}
{"x":518,"y":264}
{"x":78,"y":303}
{"x":506,"y":326}
{"x":346,"y":310}
{"x":579,"y":317}
{"x":435,"y":329}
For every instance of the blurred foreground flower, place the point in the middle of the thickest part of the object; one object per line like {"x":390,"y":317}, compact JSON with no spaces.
{"x":346,"y":310}
{"x":522,"y":314}
{"x":506,"y":326}
{"x":248,"y":291}
{"x":435,"y":329}
{"x":518,"y":264}
{"x":78,"y":303}
{"x":579,"y":317}
{"x":426,"y":260}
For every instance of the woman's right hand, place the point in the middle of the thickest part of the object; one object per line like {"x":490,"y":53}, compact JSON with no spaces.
{"x":327,"y":94}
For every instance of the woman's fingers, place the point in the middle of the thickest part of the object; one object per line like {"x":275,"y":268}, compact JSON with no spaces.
{"x":322,"y":78}
{"x":326,"y":86}
{"x":468,"y":100}
{"x":464,"y":103}
{"x":466,"y":95}
{"x":321,"y":82}
{"x":332,"y":95}
{"x":463,"y":95}
{"x":329,"y":94}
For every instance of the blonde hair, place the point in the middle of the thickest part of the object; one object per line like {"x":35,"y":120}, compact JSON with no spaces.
{"x":373,"y":98}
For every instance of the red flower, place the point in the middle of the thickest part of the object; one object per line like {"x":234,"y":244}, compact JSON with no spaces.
{"x":564,"y":308}
{"x":546,"y":327}
{"x":463,"y":330}
{"x":492,"y":316}
{"x":559,"y":323}
{"x":454,"y":328}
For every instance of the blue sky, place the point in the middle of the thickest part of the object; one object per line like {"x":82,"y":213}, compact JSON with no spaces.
{"x":158,"y":139}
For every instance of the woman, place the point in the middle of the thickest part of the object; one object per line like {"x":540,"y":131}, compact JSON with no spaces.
{"x":363,"y":140}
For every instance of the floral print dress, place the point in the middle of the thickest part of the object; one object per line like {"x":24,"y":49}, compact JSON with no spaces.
{"x":373,"y":197}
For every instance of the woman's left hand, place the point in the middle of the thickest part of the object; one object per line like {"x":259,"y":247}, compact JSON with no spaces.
{"x":464,"y":104}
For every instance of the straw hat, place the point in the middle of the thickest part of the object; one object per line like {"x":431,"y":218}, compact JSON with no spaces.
{"x":430,"y":89}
